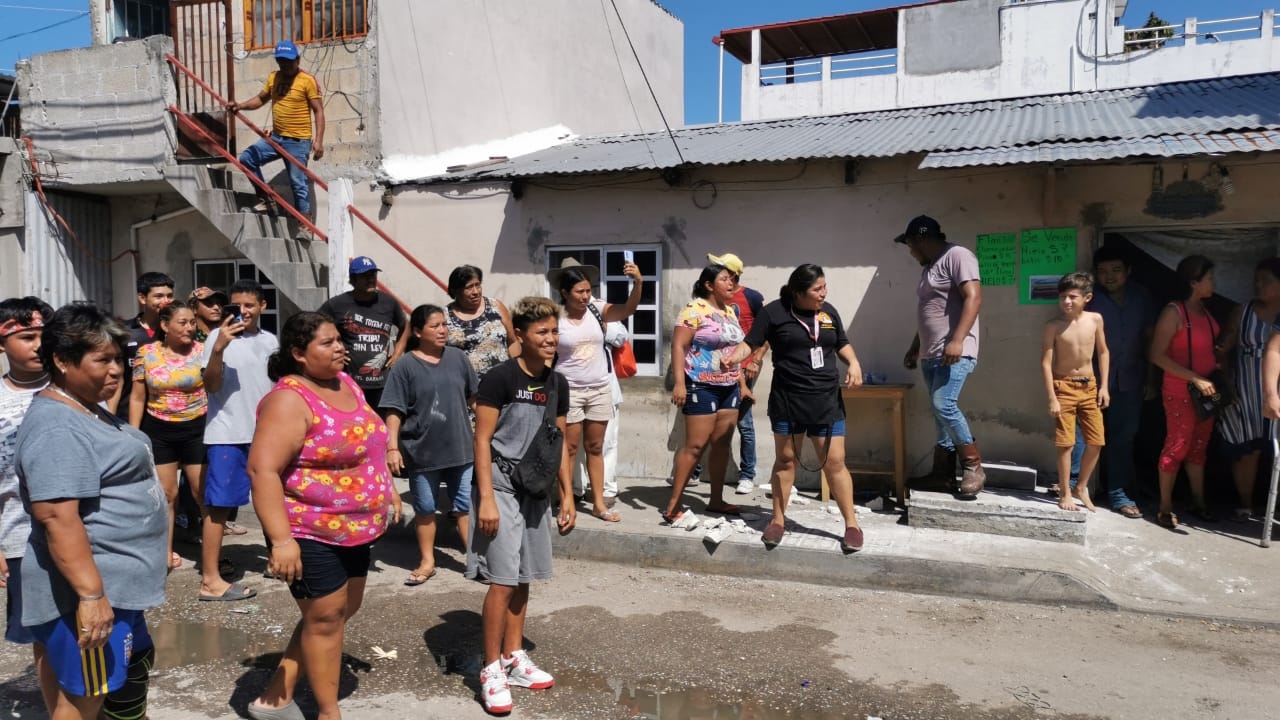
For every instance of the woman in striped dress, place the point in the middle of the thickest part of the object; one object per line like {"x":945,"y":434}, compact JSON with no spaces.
{"x":1242,"y":425}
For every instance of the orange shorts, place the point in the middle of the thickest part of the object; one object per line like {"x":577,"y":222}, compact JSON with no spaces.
{"x":1079,"y":400}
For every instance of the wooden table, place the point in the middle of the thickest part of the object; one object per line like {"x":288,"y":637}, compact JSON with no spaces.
{"x":897,"y":395}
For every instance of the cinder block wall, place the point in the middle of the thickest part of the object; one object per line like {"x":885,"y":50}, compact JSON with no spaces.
{"x":97,"y":114}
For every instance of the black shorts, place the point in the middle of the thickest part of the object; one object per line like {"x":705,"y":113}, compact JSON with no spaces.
{"x":326,"y":568}
{"x":175,"y":442}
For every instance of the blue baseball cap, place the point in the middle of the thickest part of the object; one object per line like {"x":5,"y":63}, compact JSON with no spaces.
{"x":361,"y":265}
{"x":287,"y":50}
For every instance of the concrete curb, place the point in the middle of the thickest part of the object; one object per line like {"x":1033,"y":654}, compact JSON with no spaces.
{"x":868,"y":571}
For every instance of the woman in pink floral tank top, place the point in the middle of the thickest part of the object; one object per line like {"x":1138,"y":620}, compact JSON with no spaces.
{"x":323,"y":492}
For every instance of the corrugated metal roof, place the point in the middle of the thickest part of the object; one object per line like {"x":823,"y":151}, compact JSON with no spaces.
{"x":1161,"y":146}
{"x":1114,"y":118}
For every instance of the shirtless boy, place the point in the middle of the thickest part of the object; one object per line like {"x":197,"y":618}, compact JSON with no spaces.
{"x":1075,"y":395}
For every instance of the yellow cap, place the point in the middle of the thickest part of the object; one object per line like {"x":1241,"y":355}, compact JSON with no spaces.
{"x":732,"y":262}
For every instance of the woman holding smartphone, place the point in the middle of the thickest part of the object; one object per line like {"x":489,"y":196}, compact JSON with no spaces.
{"x":168,"y":402}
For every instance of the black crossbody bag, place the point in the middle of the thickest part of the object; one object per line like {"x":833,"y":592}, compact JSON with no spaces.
{"x":536,"y":473}
{"x":1207,"y":406}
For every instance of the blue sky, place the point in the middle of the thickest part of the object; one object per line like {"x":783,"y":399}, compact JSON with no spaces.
{"x":703,"y":20}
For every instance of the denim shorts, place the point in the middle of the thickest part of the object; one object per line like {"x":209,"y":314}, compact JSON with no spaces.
{"x":786,"y":427}
{"x":326,"y":568}
{"x":702,"y":399}
{"x":425,"y":484}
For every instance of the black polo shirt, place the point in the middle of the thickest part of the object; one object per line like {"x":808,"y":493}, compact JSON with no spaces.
{"x":801,"y":393}
{"x":139,"y":335}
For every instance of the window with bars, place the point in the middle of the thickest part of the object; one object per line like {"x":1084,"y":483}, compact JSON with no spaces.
{"x":267,"y":22}
{"x":140,"y":18}
{"x":645,"y":325}
{"x":222,"y":274}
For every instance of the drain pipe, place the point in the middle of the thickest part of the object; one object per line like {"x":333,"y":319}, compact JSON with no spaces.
{"x":719,"y":42}
{"x":133,"y":238}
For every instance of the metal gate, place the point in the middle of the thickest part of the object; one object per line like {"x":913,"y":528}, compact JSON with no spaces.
{"x":202,"y":41}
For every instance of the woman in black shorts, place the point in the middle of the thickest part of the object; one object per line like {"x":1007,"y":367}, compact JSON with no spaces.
{"x":168,"y":403}
{"x":806,"y":335}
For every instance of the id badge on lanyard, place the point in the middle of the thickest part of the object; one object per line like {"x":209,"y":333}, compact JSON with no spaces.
{"x":817,"y":359}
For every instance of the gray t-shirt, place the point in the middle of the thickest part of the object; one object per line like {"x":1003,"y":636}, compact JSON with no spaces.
{"x":435,"y":431}
{"x":64,"y":453}
{"x":522,"y":402}
{"x":15,"y":524}
{"x":233,"y":410}
{"x":942,"y":302}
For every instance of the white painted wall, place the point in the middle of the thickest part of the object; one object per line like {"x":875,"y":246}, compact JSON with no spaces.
{"x":775,"y":224}
{"x":1045,"y":48}
{"x":493,"y":77}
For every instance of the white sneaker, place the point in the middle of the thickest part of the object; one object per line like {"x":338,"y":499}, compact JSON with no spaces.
{"x":745,"y":487}
{"x":521,"y":672}
{"x":495,"y":691}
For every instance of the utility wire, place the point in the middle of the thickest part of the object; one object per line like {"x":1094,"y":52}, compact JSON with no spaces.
{"x":647,"y":84}
{"x":41,"y":9}
{"x":41,"y":29}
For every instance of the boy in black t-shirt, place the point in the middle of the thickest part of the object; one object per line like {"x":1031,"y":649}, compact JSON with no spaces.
{"x":511,"y":532}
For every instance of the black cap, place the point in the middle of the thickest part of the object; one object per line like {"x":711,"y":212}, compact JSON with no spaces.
{"x":921,"y":226}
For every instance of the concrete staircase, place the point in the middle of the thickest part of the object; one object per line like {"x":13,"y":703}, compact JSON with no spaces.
{"x":297,"y":269}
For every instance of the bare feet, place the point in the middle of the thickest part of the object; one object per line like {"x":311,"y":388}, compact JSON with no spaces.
{"x":1082,"y":494}
{"x":1068,"y":502}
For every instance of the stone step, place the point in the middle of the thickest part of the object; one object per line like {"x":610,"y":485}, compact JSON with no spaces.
{"x":1029,"y":515}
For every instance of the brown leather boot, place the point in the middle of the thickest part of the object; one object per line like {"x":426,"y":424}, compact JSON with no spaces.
{"x":974,"y":476}
{"x":942,"y":476}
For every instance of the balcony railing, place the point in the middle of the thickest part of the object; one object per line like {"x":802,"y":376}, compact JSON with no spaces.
{"x":833,"y":67}
{"x":1200,"y":32}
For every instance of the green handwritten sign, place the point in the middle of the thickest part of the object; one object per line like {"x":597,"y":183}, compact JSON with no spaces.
{"x":1046,"y":254}
{"x":998,"y":258}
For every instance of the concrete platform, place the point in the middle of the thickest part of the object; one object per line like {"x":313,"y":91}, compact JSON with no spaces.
{"x":1023,"y":514}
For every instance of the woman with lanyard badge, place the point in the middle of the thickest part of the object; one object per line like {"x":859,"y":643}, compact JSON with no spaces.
{"x":806,"y":335}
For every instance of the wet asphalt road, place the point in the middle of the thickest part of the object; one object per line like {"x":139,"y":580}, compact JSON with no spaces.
{"x":626,"y":642}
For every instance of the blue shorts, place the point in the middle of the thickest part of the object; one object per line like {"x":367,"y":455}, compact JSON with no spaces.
{"x":13,"y":630}
{"x":785,"y":427}
{"x":327,"y":568}
{"x":93,"y":673}
{"x":424,"y":484}
{"x":226,"y":484}
{"x":703,"y":399}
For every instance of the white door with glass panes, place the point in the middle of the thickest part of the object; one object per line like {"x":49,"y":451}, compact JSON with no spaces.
{"x":645,"y":325}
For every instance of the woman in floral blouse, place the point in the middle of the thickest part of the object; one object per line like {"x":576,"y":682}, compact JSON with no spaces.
{"x":323,"y":492}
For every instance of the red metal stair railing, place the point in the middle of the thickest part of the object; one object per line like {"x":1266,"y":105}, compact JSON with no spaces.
{"x":351,"y":208}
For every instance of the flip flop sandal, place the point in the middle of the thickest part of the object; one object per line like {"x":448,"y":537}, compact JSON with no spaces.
{"x":725,"y":510}
{"x":1167,"y":520}
{"x":416,"y":579}
{"x":671,"y":518}
{"x":233,"y":529}
{"x":234,"y":592}
{"x":1130,"y":511}
{"x":607,"y":516}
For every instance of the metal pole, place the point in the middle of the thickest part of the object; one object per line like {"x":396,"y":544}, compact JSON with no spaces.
{"x":720,"y":92}
{"x":1275,"y":480}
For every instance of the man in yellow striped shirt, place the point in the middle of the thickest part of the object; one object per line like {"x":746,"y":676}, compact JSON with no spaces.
{"x":295,"y":96}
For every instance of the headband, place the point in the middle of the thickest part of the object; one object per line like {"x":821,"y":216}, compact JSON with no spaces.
{"x":10,"y":327}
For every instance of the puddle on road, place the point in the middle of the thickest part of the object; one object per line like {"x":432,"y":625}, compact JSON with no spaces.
{"x":645,"y":703}
{"x":190,"y":643}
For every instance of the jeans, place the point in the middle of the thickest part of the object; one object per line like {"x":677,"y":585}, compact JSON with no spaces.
{"x":261,"y":153}
{"x":747,"y":444}
{"x":1118,"y":467}
{"x":945,"y":383}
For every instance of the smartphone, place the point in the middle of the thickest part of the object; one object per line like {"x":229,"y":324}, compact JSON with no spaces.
{"x":232,"y":311}
{"x":629,"y":256}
